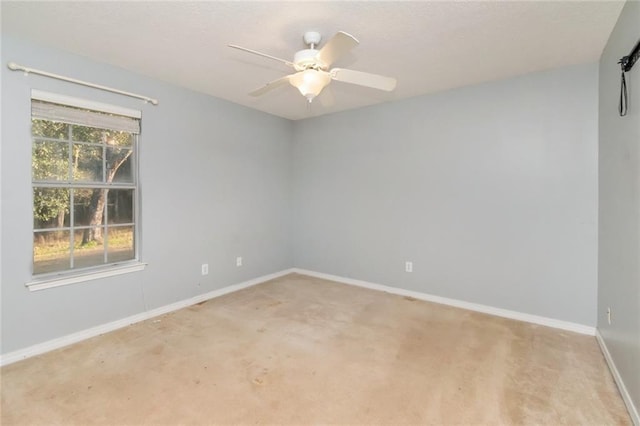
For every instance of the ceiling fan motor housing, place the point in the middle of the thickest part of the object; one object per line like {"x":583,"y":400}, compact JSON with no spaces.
{"x":307,"y":59}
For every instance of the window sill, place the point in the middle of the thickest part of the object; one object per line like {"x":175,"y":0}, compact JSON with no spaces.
{"x":50,"y":282}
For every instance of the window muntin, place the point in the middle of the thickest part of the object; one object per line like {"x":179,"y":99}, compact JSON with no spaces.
{"x":84,"y":188}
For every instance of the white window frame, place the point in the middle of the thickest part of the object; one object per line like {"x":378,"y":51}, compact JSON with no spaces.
{"x":73,"y":276}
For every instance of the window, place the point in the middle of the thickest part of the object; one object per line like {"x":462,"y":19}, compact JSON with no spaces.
{"x":84,"y":180}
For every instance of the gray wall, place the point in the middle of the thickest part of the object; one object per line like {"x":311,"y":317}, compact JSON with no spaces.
{"x":619,"y":215}
{"x":490,"y":190}
{"x":213,"y":188}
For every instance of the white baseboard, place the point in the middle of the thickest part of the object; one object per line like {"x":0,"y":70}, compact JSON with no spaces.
{"x":633,"y":410}
{"x":60,"y":342}
{"x":534,"y":319}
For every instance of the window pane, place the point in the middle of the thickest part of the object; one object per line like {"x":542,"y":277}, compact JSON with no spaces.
{"x":88,"y":134}
{"x":50,"y":160}
{"x":121,"y":139}
{"x":88,"y":248}
{"x":87,"y":163}
{"x":120,"y":244}
{"x":103,"y":136}
{"x":50,"y":251}
{"x":120,"y":206}
{"x":50,"y":208}
{"x":49,"y":129}
{"x":88,"y":206}
{"x":119,"y":165}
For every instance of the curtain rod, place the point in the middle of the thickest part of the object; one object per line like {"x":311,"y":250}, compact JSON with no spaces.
{"x":15,"y":67}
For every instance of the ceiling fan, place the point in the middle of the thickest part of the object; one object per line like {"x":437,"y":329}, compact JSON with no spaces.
{"x":313,"y":72}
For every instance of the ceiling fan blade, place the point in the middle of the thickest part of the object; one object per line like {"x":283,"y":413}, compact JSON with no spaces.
{"x":337,"y":46}
{"x":364,"y":79}
{"x":255,"y":52}
{"x":270,"y":86}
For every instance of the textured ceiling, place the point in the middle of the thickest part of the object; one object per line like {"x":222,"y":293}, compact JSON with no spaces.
{"x":427,"y":46}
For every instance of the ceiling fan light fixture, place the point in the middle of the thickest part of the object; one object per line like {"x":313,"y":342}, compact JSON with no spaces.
{"x":310,"y":82}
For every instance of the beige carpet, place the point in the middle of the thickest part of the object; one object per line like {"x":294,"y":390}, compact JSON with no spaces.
{"x":299,"y":350}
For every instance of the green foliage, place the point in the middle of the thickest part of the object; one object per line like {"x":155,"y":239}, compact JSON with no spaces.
{"x":50,"y":162}
{"x":49,"y":202}
{"x":49,"y":129}
{"x":50,"y":159}
{"x":101,"y":136}
{"x":88,"y":244}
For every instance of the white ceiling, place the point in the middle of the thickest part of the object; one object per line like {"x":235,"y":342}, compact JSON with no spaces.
{"x":427,"y":46}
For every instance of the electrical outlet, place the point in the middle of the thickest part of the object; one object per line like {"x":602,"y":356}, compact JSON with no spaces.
{"x":205,"y":269}
{"x":408,"y":266}
{"x":238,"y":261}
{"x":609,"y":315}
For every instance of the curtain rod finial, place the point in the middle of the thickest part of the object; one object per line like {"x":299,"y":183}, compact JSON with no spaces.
{"x":13,"y":66}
